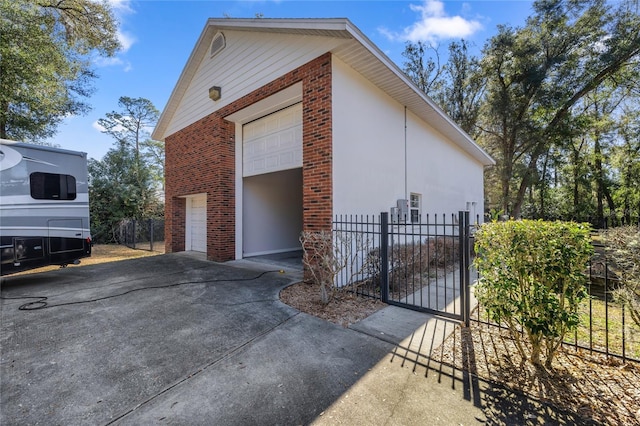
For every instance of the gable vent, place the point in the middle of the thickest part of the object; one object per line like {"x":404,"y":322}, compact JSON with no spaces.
{"x":217,"y":44}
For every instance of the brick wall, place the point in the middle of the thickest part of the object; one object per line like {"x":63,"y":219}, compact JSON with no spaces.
{"x":201,"y":159}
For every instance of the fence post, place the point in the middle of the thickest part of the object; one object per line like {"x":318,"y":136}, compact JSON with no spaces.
{"x":151,"y":234}
{"x":465,"y":272}
{"x":134,"y":233}
{"x":384,"y":257}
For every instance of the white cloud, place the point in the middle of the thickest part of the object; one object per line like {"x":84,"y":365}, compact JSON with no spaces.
{"x":98,"y":127}
{"x":120,"y":9}
{"x":126,"y":40}
{"x":434,"y":25}
{"x":121,"y":6}
{"x":113,"y":62}
{"x":108,"y":62}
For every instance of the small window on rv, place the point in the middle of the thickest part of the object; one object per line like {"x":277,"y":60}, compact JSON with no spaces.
{"x":52,"y":186}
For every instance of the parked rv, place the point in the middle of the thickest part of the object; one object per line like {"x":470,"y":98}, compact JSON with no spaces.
{"x":44,"y":207}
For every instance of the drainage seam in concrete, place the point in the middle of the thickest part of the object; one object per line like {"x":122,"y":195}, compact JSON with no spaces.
{"x":202,"y":369}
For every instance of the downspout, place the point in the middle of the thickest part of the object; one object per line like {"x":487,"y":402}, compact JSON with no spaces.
{"x":406,"y":193}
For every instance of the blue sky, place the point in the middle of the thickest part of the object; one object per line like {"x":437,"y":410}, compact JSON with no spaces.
{"x":158,"y":36}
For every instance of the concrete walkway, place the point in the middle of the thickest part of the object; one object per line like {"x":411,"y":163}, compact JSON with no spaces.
{"x":175,"y":339}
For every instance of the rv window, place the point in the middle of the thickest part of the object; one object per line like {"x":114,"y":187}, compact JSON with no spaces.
{"x":52,"y":186}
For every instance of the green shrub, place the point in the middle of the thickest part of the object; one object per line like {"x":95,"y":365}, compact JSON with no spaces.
{"x":533,"y":276}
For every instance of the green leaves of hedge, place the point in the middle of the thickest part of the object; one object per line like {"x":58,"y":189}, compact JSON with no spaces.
{"x":533,"y":276}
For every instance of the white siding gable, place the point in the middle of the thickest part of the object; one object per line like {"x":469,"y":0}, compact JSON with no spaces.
{"x":249,"y":61}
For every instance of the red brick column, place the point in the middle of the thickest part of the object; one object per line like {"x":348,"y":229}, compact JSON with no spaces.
{"x":317,"y":155}
{"x":175,"y":215}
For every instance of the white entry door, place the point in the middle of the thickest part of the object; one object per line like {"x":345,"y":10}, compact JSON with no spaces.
{"x":196,"y":226}
{"x":273,"y":143}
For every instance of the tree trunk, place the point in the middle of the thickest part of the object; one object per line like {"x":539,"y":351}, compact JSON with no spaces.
{"x":524,"y":184}
{"x":575,"y":157}
{"x":4,"y":107}
{"x":597,"y":151}
{"x":543,"y":184}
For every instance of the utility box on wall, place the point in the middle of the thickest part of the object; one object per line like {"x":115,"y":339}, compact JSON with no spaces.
{"x":403,"y":209}
{"x":393,"y":212}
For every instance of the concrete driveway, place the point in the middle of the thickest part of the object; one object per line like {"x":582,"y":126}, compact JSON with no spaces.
{"x":174,"y":339}
{"x":202,"y":344}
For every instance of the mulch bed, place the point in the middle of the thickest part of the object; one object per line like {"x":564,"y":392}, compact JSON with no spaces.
{"x":344,"y":308}
{"x":596,"y":387}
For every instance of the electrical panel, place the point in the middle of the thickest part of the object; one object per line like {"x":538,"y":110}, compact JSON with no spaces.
{"x":403,"y":209}
{"x":394,"y":215}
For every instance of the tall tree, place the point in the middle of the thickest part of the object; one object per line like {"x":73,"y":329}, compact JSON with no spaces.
{"x":461,"y":91}
{"x":128,"y":181}
{"x":421,"y":67}
{"x":131,"y":127}
{"x":537,"y":74}
{"x":46,"y":48}
{"x":626,"y":160}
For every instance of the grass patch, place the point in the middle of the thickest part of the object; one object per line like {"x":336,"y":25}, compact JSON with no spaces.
{"x":104,"y":253}
{"x":600,"y":333}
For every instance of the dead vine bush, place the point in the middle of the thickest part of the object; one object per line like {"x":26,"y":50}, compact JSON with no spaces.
{"x":411,"y":259}
{"x":327,"y":254}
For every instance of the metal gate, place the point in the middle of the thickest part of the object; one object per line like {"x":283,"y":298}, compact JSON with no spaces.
{"x":424,"y":266}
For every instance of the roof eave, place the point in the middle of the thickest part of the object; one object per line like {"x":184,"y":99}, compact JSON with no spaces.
{"x":463,"y":140}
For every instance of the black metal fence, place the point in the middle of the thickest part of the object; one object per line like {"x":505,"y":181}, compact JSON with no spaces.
{"x":614,"y":221}
{"x":427,"y":266}
{"x":606,"y":327}
{"x":423,"y":265}
{"x":142,"y":234}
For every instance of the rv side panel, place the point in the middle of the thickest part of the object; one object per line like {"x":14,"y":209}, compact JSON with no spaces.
{"x":44,"y":206}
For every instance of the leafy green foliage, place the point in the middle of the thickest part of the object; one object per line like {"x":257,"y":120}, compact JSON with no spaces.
{"x":625,"y":159}
{"x":127,"y":183}
{"x":551,"y":101}
{"x":46,"y":48}
{"x":538,"y":77}
{"x":533,"y":280}
{"x":131,"y":127}
{"x":115,"y":193}
{"x":623,"y":250}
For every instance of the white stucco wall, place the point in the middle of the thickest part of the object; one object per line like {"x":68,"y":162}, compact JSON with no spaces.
{"x":272,"y":217}
{"x":369,"y":155}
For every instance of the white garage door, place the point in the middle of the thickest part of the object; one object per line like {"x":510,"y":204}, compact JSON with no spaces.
{"x":196,"y":234}
{"x":273,"y":143}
